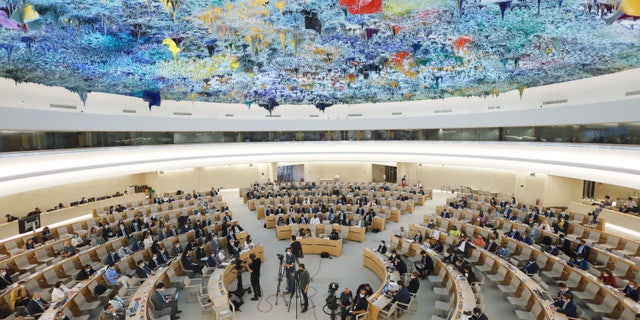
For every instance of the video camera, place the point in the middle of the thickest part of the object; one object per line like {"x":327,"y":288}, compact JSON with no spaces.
{"x":333,"y":287}
{"x":280,"y":257}
{"x":332,"y":300}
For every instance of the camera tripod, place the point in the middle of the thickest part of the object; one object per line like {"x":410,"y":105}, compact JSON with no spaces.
{"x":296,"y":292}
{"x":280,"y":275}
{"x":240,"y":289}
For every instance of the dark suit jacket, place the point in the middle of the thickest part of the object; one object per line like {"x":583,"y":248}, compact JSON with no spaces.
{"x":158,"y":301}
{"x":112,"y":259}
{"x":296,"y":249}
{"x":414,"y":285}
{"x":585,"y":251}
{"x":401,"y":266}
{"x":481,"y":317}
{"x":34,"y":308}
{"x":141,"y":273}
{"x":555,"y":251}
{"x":570,"y":309}
{"x":5,"y":282}
{"x":382,"y":249}
{"x":491,"y":246}
{"x":403,"y":296}
{"x":84,"y":275}
{"x":163,"y":259}
{"x":152,"y":265}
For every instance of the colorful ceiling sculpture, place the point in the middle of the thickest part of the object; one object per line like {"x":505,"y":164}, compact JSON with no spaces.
{"x":319,"y":52}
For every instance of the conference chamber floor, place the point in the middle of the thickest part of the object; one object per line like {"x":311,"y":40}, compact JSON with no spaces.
{"x":347,"y":270}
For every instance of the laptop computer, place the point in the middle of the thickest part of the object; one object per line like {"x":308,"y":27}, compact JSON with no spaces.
{"x":131,"y":311}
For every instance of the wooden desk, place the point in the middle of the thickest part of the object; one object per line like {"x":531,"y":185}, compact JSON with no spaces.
{"x":375,"y":262}
{"x":355,"y":233}
{"x":395,"y":215}
{"x":320,"y":245}
{"x":220,"y":279}
{"x":378,"y":223}
{"x":144,"y":292}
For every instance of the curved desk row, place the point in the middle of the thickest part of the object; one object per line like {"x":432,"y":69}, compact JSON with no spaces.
{"x":376,"y":263}
{"x":460,"y":289}
{"x":621,"y":266}
{"x":354,"y":233}
{"x":146,"y":289}
{"x":507,"y":275}
{"x":378,"y":221}
{"x":368,"y":189}
{"x":220,"y":279}
{"x":606,"y":299}
{"x":394,"y":207}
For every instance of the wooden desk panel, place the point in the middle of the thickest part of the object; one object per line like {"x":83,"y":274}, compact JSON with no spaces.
{"x":378,"y":223}
{"x":320,"y":245}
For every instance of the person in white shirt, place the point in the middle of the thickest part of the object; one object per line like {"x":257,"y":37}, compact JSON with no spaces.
{"x":77,"y":241}
{"x":315,"y":220}
{"x":59,"y":292}
{"x":148,"y":242}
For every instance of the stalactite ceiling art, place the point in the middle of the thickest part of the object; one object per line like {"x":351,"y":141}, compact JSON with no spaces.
{"x":319,"y":52}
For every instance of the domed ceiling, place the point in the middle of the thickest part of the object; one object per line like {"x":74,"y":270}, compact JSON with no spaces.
{"x":319,"y":52}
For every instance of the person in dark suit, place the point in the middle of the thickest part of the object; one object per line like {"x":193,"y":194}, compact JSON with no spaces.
{"x":425,"y":265}
{"x":631,"y":290}
{"x":153,"y":263}
{"x":37,"y":305}
{"x":514,"y":234}
{"x":403,"y":295}
{"x":163,"y":256}
{"x":553,"y":249}
{"x":414,"y":283}
{"x":582,"y":249}
{"x":5,"y":280}
{"x":418,"y":237}
{"x":478,"y":315}
{"x":491,"y":246}
{"x":296,"y":249}
{"x":401,"y":266}
{"x":254,"y":269}
{"x":189,"y":264}
{"x":109,"y":313}
{"x":563,"y":289}
{"x":531,"y":267}
{"x":360,"y":305}
{"x":566,"y":306}
{"x":142,"y":272}
{"x":85,"y":273}
{"x":382,"y":248}
{"x":112,"y":258}
{"x":162,"y":302}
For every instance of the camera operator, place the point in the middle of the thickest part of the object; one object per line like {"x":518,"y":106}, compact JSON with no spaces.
{"x":303,"y":281}
{"x":254,"y":269}
{"x":289,"y":269}
{"x":345,"y":302}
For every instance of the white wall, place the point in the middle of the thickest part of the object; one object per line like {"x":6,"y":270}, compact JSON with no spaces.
{"x":20,"y":204}
{"x":437,"y":176}
{"x":349,"y":172}
{"x":559,"y":191}
{"x":615,"y":192}
{"x":203,"y":178}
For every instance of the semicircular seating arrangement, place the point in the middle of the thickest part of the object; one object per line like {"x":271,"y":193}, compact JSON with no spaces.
{"x":179,"y":224}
